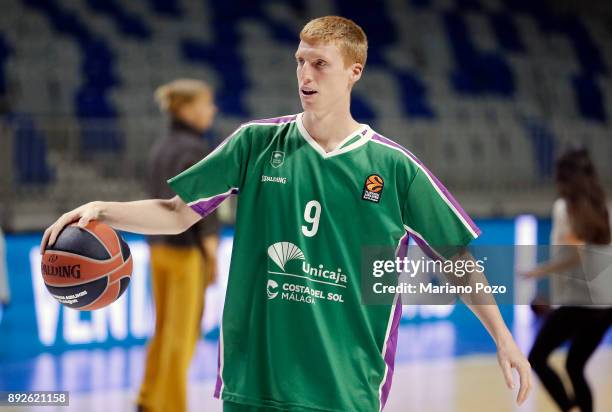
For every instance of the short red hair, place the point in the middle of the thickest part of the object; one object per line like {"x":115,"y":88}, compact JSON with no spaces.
{"x":343,"y":32}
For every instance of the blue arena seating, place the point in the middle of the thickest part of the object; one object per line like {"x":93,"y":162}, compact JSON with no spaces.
{"x":436,"y":70}
{"x":506,"y":32}
{"x":476,"y":73}
{"x":30,"y":152}
{"x":544,"y":144}
{"x":127,"y":23}
{"x":91,"y":100}
{"x":414,"y":96}
{"x":170,"y":8}
{"x":590,"y":98}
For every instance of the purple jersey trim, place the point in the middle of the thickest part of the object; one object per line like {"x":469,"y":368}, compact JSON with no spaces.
{"x":391,"y":343}
{"x":205,"y":207}
{"x":439,"y":184}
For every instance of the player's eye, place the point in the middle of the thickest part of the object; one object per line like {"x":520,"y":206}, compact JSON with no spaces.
{"x":321,"y":63}
{"x":299,"y":61}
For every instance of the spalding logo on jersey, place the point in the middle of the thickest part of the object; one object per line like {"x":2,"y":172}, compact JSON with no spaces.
{"x":372,"y":188}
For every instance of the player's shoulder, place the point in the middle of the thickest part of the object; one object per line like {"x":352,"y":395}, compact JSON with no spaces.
{"x":389,"y":149}
{"x":267,"y":125}
{"x":259,"y":131}
{"x":274,"y":121}
{"x":255,"y":134}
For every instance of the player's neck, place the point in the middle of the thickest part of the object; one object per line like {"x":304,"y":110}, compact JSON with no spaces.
{"x":330,"y":128}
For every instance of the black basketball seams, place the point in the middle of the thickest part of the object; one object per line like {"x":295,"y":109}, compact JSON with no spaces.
{"x":108,"y":284}
{"x":125,"y":249}
{"x":81,"y":242}
{"x":99,"y":240}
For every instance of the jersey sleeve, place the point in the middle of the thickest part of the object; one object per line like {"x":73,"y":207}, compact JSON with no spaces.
{"x":434,"y":218}
{"x":206,"y":184}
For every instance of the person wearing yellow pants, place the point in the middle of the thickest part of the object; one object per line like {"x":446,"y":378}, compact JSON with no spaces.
{"x":182,"y":266}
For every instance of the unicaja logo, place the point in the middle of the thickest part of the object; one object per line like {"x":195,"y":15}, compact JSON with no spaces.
{"x":283,"y":252}
{"x":272,"y":289}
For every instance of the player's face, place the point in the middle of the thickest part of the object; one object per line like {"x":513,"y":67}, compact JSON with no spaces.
{"x":324,"y":81}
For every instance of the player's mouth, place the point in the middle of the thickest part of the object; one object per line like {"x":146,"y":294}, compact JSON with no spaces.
{"x":305,"y":91}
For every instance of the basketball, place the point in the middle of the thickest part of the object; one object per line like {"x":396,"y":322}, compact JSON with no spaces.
{"x":374,"y":183}
{"x":87,"y":268}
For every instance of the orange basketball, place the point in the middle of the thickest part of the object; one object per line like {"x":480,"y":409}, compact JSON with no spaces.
{"x":374,"y":183}
{"x":87,"y":268}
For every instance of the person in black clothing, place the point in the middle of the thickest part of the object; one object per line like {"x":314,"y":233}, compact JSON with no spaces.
{"x":580,"y":222}
{"x":182,"y":265}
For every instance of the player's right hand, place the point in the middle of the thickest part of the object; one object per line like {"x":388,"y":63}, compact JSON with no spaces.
{"x":83,"y":214}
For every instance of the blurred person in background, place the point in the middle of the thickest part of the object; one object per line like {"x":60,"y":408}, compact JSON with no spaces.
{"x":182,"y":265}
{"x":580,"y":218}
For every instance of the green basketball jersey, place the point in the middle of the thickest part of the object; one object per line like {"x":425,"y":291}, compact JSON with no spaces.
{"x":294,"y":334}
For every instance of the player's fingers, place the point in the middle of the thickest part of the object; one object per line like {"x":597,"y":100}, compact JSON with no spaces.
{"x":57,"y":227}
{"x":83,"y":221}
{"x":525,"y":379}
{"x":507,"y":371}
{"x":45,"y":239}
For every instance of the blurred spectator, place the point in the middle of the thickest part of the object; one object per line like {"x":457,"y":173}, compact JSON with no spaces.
{"x":580,"y":219}
{"x":182,"y":265}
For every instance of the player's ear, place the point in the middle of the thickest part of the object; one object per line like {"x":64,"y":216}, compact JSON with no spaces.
{"x":356,"y":70}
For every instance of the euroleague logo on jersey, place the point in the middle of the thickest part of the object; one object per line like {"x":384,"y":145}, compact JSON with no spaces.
{"x":372,"y":188}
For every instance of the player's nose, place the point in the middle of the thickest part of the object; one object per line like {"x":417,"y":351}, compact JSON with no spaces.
{"x":305,"y":74}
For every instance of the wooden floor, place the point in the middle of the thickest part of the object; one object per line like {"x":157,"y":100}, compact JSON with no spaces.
{"x":467,"y":384}
{"x":476,"y":384}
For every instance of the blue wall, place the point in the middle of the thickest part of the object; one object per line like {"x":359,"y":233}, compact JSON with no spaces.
{"x":35,"y":323}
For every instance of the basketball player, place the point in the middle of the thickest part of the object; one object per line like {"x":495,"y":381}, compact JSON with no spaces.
{"x":314,"y":188}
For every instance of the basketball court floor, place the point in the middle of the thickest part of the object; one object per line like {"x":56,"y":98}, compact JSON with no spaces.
{"x":440,"y":367}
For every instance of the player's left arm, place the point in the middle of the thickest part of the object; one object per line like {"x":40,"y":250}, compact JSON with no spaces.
{"x":509,"y":356}
{"x":433,"y":215}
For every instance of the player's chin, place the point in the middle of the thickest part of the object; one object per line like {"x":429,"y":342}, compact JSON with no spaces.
{"x":307,"y":105}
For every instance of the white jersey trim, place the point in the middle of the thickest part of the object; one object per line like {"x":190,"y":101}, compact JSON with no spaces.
{"x":363,"y":130}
